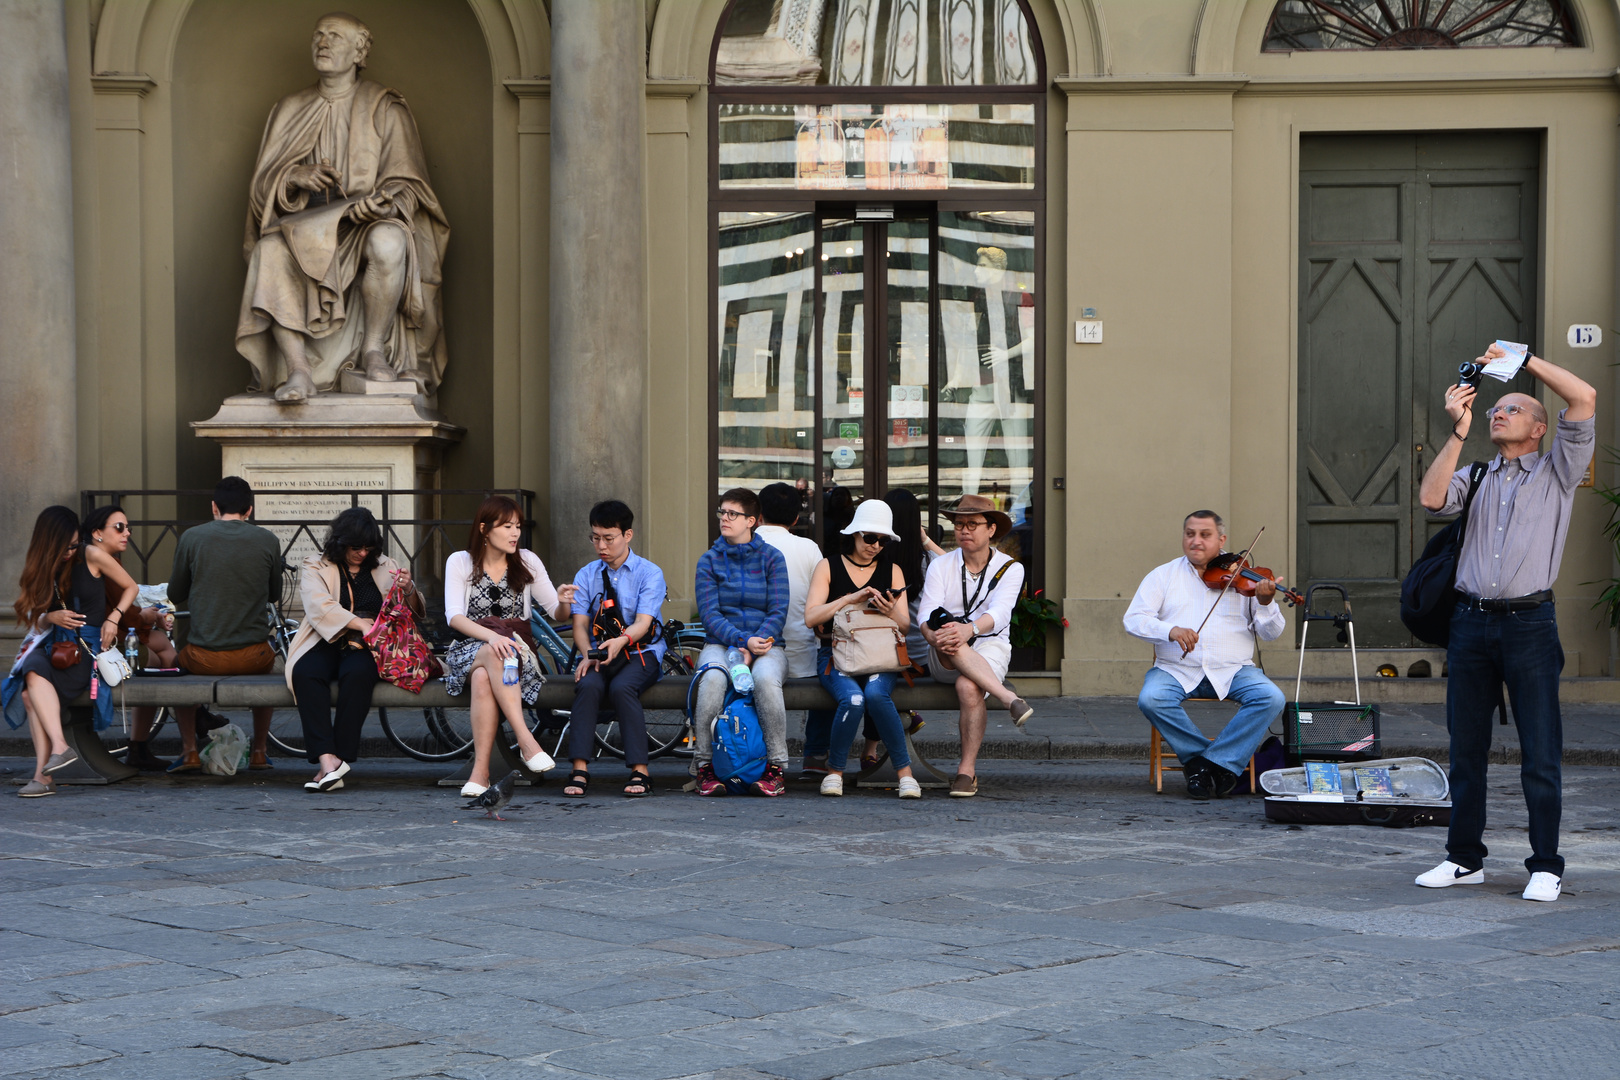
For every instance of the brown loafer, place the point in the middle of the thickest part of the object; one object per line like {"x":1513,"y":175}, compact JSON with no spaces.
{"x":188,"y":761}
{"x":964,"y":786}
{"x":259,"y":761}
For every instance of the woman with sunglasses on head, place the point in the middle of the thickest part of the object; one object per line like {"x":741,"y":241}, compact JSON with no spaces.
{"x":495,"y":581}
{"x":863,"y":575}
{"x":342,"y":590}
{"x":62,"y":600}
{"x":107,"y":530}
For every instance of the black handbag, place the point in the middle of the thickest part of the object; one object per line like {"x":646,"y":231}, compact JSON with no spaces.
{"x":1430,"y":590}
{"x":607,"y":624}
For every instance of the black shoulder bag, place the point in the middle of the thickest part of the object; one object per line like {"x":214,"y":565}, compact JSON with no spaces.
{"x":607,"y":624}
{"x":1430,"y":590}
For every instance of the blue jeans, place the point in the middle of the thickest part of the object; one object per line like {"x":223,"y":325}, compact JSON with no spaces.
{"x":858,"y":697}
{"x":1259,"y":703}
{"x":1521,"y":649}
{"x":817,"y":732}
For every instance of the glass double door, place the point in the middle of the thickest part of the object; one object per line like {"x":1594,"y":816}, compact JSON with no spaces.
{"x":925,"y":329}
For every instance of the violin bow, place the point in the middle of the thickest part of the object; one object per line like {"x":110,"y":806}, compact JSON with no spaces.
{"x":1243,"y":559}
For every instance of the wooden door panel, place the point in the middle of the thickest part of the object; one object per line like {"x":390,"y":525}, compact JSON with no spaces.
{"x":1415,"y":252}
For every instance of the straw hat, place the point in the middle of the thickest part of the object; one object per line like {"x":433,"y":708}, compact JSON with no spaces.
{"x":968,"y":505}
{"x":872,"y":516}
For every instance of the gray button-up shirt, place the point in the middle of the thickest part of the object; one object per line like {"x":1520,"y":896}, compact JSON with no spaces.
{"x":1520,"y":516}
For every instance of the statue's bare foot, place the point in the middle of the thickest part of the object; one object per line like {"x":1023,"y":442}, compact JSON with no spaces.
{"x":298,"y":389}
{"x":377,"y":369}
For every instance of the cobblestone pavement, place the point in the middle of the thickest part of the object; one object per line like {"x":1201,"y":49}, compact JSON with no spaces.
{"x":1068,"y":922}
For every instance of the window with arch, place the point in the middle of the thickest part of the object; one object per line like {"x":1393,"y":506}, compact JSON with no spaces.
{"x":1309,"y":25}
{"x":878,"y":206}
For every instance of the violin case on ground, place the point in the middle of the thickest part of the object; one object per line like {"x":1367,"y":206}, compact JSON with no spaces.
{"x":1421,"y":795}
{"x":1330,"y":730}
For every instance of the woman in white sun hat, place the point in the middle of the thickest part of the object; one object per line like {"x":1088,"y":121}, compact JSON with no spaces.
{"x":864,"y":575}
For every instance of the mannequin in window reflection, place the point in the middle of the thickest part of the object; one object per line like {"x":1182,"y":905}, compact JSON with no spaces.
{"x":993,"y":400}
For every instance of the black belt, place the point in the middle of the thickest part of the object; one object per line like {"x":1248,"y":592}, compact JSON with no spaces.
{"x":1512,"y":603}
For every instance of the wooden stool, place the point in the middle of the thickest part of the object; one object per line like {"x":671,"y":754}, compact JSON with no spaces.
{"x":1159,"y":753}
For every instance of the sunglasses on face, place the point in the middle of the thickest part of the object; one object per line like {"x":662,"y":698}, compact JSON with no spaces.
{"x":120,"y":527}
{"x":871,"y":539}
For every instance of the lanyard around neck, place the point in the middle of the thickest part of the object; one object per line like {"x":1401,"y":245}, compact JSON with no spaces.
{"x":984,"y":576}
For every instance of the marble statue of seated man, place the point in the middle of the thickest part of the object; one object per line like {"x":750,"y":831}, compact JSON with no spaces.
{"x":345,"y":237}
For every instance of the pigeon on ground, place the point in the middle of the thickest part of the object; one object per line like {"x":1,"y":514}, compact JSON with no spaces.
{"x":495,"y":797}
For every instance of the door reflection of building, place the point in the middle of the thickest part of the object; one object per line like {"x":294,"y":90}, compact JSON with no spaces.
{"x":987,"y":318}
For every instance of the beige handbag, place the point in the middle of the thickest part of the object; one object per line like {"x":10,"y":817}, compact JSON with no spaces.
{"x":866,"y":643}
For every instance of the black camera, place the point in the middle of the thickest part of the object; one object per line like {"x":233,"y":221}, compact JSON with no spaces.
{"x":940,"y":617}
{"x":596,"y":654}
{"x":1468,"y":373}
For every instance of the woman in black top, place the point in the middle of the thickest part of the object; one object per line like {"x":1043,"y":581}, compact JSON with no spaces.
{"x":60,"y":598}
{"x":863,"y":575}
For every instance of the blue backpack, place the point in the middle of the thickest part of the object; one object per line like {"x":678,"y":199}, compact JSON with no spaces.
{"x":739,"y":742}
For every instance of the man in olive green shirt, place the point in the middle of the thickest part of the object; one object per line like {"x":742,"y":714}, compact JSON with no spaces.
{"x":227,"y":571}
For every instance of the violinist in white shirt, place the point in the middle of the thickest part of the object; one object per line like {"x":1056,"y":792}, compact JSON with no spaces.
{"x":1217,"y":661}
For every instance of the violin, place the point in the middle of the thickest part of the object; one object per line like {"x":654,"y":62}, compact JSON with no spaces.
{"x":1233,"y":570}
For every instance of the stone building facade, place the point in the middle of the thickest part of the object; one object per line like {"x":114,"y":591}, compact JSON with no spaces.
{"x":1107,"y":261}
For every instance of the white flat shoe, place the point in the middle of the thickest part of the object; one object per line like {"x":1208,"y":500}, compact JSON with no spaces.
{"x":539,"y":763}
{"x":470,"y":790}
{"x":832,"y":784}
{"x":909,"y":788}
{"x":1544,"y":887}
{"x":1449,"y":873}
{"x":334,"y":779}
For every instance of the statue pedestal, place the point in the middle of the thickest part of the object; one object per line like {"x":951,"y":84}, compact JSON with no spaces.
{"x":309,"y":462}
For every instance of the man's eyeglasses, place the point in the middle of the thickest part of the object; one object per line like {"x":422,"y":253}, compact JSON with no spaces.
{"x":600,"y":540}
{"x":1510,"y":410}
{"x":971,"y":525}
{"x":870,"y":539}
{"x":730,"y":515}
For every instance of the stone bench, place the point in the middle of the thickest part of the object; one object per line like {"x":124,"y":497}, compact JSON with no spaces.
{"x":97,"y":766}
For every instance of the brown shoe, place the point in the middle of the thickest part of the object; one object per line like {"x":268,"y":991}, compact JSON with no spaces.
{"x":1020,"y":711}
{"x":259,"y":761}
{"x":964,"y":786}
{"x":188,"y":761}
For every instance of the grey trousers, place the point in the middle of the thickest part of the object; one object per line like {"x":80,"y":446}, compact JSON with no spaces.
{"x":769,"y":671}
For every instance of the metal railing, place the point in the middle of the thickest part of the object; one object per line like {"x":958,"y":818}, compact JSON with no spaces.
{"x":421,"y":543}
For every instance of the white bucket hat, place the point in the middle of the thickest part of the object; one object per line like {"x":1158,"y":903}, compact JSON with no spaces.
{"x":872,"y":516}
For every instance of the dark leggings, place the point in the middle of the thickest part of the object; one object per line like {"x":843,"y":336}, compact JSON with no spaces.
{"x":356,"y":674}
{"x":624,"y":698}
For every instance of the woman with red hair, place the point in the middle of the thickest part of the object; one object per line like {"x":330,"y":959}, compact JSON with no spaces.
{"x":494,"y":579}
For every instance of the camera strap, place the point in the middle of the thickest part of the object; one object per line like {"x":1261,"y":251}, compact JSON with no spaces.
{"x":969,"y":604}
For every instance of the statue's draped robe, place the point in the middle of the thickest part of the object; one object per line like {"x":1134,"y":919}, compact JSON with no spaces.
{"x":304,"y":261}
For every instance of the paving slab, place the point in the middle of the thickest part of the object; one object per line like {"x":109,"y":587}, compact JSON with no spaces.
{"x":1067,"y":922}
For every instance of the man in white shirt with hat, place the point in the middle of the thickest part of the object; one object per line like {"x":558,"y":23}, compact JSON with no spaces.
{"x":966,"y":606}
{"x":1215,"y":661}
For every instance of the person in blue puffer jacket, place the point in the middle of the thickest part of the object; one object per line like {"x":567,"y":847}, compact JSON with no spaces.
{"x":742,"y":596}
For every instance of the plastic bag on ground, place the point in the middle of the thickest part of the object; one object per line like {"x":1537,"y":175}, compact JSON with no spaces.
{"x":226,"y":752}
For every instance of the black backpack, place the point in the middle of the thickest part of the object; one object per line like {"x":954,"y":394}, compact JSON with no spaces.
{"x":1430,"y":590}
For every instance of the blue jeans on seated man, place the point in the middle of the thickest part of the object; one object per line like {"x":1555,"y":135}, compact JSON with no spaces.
{"x":1259,"y":703}
{"x":1521,"y":649}
{"x":858,"y":697}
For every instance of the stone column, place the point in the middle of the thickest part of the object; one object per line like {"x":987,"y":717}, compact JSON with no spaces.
{"x":598,"y":268}
{"x":38,"y":462}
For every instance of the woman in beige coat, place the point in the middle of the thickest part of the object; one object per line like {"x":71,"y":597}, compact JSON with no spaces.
{"x":343,"y":589}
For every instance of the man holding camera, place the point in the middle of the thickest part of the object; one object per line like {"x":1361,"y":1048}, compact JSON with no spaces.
{"x":969,"y":595}
{"x":1214,"y":660}
{"x":1504,"y":628}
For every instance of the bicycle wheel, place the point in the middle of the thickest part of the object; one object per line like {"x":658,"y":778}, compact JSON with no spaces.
{"x":287,"y":732}
{"x":429,"y":739}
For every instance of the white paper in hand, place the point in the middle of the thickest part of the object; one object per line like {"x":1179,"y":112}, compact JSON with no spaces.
{"x":1504,"y":368}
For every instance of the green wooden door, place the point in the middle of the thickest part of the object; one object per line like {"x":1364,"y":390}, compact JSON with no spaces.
{"x":1415,"y":252}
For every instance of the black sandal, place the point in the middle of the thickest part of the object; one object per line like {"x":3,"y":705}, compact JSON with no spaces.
{"x":581,"y":780}
{"x":639,"y":785}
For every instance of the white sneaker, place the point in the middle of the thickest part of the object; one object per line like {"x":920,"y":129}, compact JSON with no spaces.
{"x":470,"y":790}
{"x":539,"y":763}
{"x":1544,"y":886}
{"x":909,"y":788}
{"x":832,"y":784}
{"x":1449,"y":873}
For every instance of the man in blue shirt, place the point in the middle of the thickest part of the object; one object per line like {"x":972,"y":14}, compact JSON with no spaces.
{"x":617,"y":604}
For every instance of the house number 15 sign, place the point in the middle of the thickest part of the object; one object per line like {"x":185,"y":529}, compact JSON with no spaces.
{"x":1585,"y":336}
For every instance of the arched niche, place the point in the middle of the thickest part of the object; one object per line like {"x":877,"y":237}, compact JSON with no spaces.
{"x":183,"y":88}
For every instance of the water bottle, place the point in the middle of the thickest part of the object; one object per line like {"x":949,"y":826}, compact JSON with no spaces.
{"x":509,"y":670}
{"x":742,"y":679}
{"x":132,"y":648}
